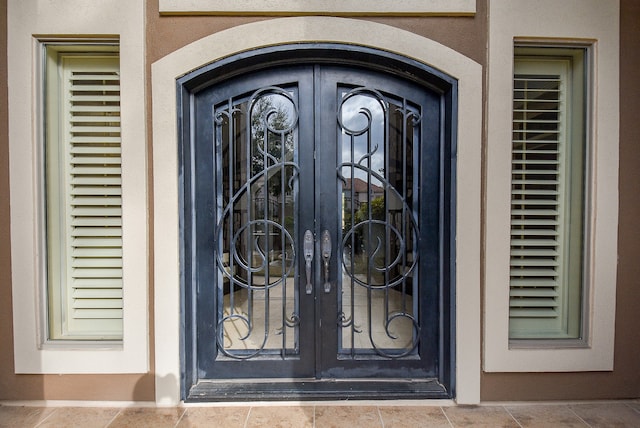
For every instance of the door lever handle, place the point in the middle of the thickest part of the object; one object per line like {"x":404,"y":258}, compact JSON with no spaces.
{"x":308,"y":258}
{"x":325,"y":246}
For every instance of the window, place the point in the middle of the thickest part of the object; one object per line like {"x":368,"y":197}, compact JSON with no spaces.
{"x":547,"y":194}
{"x":39,"y":51}
{"x":575,"y":265}
{"x":83,"y":192}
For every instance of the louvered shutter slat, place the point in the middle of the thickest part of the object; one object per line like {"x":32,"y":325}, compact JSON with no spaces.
{"x":87,"y":98}
{"x":533,"y":313}
{"x":97,"y":242}
{"x":92,"y":108}
{"x":87,"y":190}
{"x":112,"y":162}
{"x":532,"y":285}
{"x":88,"y":139}
{"x":97,"y":119}
{"x":96,"y":152}
{"x":532,"y":252}
{"x":96,"y":272}
{"x":530,"y":232}
{"x":101,"y":283}
{"x":96,"y":221}
{"x":108,"y":293}
{"x":93,"y":252}
{"x":544,"y":292}
{"x":106,"y":200}
{"x":97,"y":231}
{"x":533,"y":262}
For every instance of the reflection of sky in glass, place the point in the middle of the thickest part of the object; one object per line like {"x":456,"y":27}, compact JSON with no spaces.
{"x":284,"y":111}
{"x":355,"y":120}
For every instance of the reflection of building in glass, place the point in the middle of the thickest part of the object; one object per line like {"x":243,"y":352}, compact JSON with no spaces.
{"x":361,"y":193}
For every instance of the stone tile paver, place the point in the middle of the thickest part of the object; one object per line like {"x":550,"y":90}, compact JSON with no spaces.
{"x":80,"y":417}
{"x":347,"y":417}
{"x":138,"y":417}
{"x":413,"y":416}
{"x":607,"y":415}
{"x":480,"y":416}
{"x":22,"y":417}
{"x":544,"y":416}
{"x":227,"y":417}
{"x":615,"y":414}
{"x":281,"y":417}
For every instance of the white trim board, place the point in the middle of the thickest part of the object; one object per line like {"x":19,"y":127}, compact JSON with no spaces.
{"x":324,"y":7}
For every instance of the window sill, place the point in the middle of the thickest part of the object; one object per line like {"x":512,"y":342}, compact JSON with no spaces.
{"x":82,"y":345}
{"x":547,"y":344}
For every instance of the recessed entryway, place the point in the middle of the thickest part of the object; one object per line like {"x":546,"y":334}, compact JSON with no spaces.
{"x":317,"y":226}
{"x":291,"y":33}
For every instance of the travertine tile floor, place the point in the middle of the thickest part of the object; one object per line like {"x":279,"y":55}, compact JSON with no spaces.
{"x":351,"y":415}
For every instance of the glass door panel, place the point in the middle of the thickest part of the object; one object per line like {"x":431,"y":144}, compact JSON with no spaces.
{"x":258,"y":304}
{"x":378,"y":291}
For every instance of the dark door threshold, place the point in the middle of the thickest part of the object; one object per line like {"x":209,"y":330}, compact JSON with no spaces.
{"x":304,"y":390}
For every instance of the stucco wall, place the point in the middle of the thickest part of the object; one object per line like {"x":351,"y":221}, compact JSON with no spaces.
{"x":464,"y":34}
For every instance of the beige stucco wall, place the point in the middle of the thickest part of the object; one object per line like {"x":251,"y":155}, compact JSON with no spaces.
{"x":464,"y":34}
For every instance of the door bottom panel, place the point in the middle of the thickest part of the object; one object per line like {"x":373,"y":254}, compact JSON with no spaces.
{"x":312,"y":389}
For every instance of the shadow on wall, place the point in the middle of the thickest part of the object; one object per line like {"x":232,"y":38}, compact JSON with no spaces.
{"x":148,"y":386}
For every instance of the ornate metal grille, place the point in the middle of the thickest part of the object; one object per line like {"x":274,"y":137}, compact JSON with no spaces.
{"x":379,"y":291}
{"x":256,"y":154}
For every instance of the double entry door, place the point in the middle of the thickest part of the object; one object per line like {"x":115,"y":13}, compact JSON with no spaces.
{"x":317,"y":226}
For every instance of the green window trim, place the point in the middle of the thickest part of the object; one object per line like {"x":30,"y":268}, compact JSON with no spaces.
{"x":548,"y":183}
{"x":83,"y":185}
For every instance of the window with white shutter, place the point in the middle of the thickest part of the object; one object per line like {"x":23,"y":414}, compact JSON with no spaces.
{"x":547,"y":195}
{"x":84,"y":195}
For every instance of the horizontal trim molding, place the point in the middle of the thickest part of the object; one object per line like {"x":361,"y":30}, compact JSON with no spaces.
{"x":314,"y":7}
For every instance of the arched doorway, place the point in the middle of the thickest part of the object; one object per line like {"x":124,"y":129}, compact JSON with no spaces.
{"x":317,"y":225}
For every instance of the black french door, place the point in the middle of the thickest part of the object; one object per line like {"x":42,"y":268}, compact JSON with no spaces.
{"x":315,"y":228}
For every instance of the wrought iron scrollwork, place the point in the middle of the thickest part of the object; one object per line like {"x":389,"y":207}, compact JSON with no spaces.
{"x":255,"y":249}
{"x":379,"y":251}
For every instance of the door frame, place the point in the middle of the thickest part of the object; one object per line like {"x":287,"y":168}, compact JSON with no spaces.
{"x":331,"y":55}
{"x":165,"y":221}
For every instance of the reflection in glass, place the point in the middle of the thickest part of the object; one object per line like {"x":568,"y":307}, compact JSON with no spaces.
{"x":257,"y":172}
{"x":379,"y":291}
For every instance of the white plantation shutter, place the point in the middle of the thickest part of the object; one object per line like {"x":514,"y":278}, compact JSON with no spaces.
{"x":85,"y":204}
{"x":543,"y":273}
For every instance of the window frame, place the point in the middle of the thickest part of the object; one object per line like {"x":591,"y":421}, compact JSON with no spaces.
{"x":55,"y":59}
{"x":549,"y":23}
{"x":578,"y":62}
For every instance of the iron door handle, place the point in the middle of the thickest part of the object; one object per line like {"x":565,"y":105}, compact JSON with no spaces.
{"x":325,"y":246}
{"x":308,"y":258}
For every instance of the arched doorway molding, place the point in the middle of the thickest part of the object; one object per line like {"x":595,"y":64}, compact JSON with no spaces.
{"x":282,"y":31}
